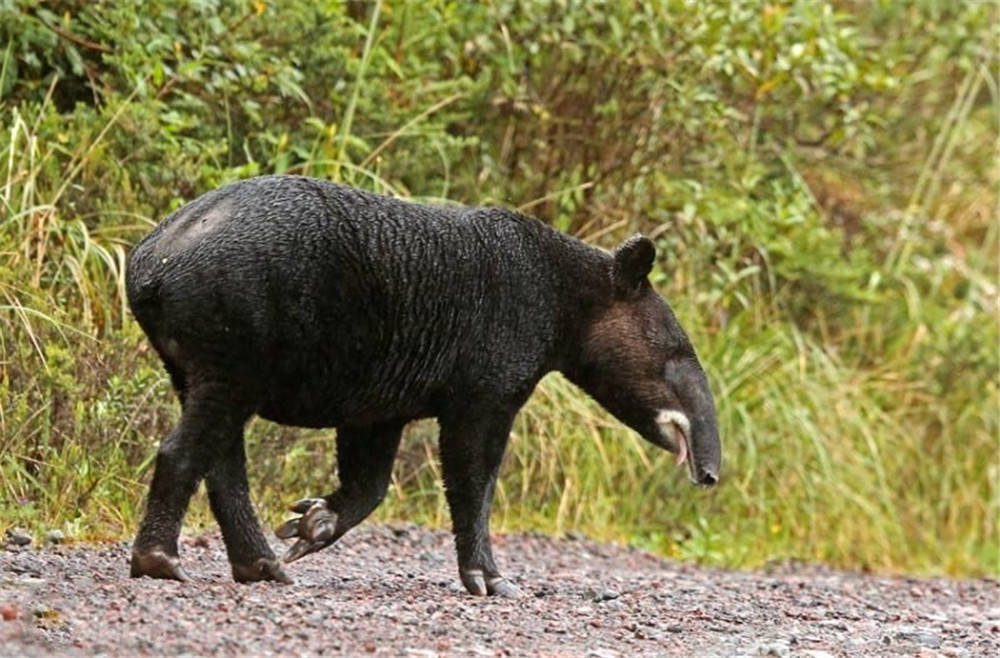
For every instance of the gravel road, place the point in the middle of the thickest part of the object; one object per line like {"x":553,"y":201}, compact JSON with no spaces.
{"x":394,"y":590}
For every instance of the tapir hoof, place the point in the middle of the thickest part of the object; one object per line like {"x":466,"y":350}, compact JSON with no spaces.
{"x":480,"y":584}
{"x":314,"y":528}
{"x":262,"y":569}
{"x":157,"y":563}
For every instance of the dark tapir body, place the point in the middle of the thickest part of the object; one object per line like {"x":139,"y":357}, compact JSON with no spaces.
{"x":320,"y":305}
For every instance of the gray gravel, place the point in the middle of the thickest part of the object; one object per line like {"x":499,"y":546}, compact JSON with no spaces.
{"x":394,"y":591}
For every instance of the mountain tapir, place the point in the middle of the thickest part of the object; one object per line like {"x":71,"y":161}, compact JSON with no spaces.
{"x":315,"y":304}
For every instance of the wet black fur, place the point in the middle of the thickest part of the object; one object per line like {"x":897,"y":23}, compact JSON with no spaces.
{"x":320,"y":305}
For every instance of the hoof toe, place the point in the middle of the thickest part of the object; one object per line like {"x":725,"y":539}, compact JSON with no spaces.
{"x":503,"y":587}
{"x":474,"y":581}
{"x":306,"y":504}
{"x":157,"y":564}
{"x":262,"y":569}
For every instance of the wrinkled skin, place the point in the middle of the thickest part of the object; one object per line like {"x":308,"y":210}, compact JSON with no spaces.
{"x":319,"y":305}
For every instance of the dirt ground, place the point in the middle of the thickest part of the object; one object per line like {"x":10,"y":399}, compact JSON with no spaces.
{"x":395,"y":591}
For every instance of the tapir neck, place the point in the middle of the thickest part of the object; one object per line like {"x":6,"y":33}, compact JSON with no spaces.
{"x":581,"y":274}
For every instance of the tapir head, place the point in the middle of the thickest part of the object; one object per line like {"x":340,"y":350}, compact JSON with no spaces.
{"x":638,"y":363}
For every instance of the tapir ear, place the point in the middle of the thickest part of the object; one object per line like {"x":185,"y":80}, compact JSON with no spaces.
{"x":633,"y":261}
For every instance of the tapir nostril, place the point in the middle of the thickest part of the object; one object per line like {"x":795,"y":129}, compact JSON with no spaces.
{"x":707,"y":478}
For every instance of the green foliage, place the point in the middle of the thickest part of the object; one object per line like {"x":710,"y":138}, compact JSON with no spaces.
{"x":820,"y":179}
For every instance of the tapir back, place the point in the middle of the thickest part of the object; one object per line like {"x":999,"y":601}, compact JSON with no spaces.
{"x":328,"y":304}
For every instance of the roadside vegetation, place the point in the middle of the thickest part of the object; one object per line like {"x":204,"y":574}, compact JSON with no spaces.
{"x":821,"y":179}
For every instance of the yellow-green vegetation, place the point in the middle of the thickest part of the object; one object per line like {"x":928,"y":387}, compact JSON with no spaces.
{"x":821,"y":179}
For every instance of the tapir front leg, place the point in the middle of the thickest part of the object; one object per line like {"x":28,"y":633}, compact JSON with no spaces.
{"x":364,"y":466}
{"x":472,"y":447}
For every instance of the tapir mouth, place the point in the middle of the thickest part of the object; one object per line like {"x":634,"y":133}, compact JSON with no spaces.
{"x":675,"y":434}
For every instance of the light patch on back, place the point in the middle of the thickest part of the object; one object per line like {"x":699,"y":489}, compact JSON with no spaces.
{"x":172,"y":349}
{"x":190,"y":228}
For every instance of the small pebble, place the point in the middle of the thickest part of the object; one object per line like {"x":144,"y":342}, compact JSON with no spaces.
{"x":606,"y":594}
{"x":920,"y":636}
{"x":774,"y":649}
{"x":955,"y":652}
{"x":835,"y":624}
{"x":18,"y":537}
{"x":54,"y":536}
{"x":602,"y":653}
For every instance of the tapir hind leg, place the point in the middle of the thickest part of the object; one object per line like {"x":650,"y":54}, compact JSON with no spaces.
{"x":229,"y":495}
{"x":209,"y":423}
{"x":364,"y":465}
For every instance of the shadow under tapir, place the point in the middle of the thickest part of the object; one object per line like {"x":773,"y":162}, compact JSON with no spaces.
{"x":320,"y":305}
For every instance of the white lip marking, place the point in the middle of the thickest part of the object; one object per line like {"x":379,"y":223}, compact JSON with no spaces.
{"x":667,"y":416}
{"x":671,"y":420}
